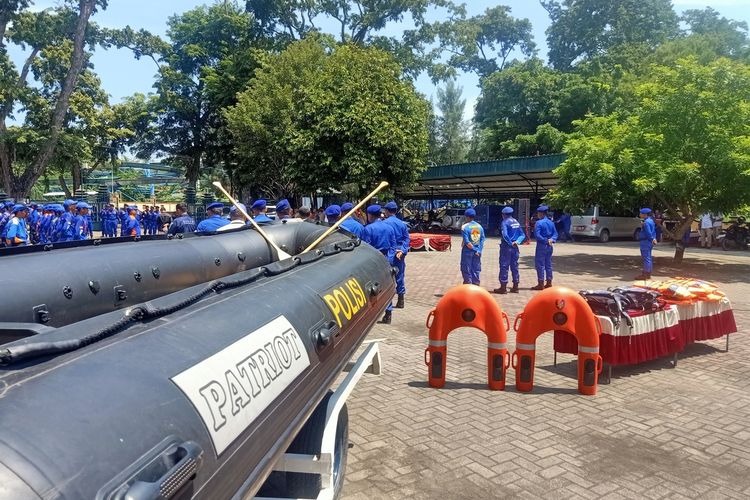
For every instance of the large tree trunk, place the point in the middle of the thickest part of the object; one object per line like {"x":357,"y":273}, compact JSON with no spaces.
{"x":20,"y":186}
{"x":193,"y":170}
{"x":679,"y":247}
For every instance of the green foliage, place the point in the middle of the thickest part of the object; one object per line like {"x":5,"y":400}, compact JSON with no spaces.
{"x":686,"y":146}
{"x":319,"y":117}
{"x":546,"y":140}
{"x":451,"y":133}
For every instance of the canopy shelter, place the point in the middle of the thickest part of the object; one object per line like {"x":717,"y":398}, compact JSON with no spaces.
{"x":526,"y":177}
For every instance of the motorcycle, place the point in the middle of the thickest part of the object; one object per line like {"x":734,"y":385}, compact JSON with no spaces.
{"x":735,"y":236}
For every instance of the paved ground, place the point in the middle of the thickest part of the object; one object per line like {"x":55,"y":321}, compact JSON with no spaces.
{"x":655,"y":432}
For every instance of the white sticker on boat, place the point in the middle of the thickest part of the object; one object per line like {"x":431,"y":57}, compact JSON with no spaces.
{"x":232,"y":387}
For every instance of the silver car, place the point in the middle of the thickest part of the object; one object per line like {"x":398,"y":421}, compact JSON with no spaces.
{"x":603,"y":225}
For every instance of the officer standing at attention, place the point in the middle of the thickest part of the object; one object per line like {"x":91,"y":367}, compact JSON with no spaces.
{"x":350,"y":223}
{"x":131,"y":226}
{"x":259,"y":211}
{"x":183,"y":223}
{"x":402,"y":248}
{"x":68,"y":221}
{"x":283,"y":209}
{"x":471,"y":248}
{"x":214,"y":220}
{"x":17,"y":233}
{"x":512,"y":235}
{"x":381,"y":236}
{"x":81,"y":222}
{"x":546,"y":236}
{"x":647,"y":239}
{"x":333,"y":212}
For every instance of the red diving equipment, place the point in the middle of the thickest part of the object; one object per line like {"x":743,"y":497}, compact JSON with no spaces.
{"x":468,"y":306}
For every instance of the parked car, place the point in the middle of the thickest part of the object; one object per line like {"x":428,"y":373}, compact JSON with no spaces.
{"x":603,"y":225}
{"x":453,"y":219}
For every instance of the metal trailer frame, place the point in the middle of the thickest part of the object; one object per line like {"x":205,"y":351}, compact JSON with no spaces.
{"x":323,"y":463}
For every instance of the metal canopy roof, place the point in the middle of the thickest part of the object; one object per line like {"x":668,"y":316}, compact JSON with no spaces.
{"x":527,"y":177}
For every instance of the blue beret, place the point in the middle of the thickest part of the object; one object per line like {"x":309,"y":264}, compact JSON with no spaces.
{"x":373,"y":210}
{"x":542,"y":208}
{"x":82,"y":204}
{"x":347,"y":206}
{"x":68,"y":203}
{"x":259,"y":204}
{"x":645,"y":210}
{"x":132,"y":207}
{"x":217,"y":204}
{"x":333,"y":210}
{"x":234,"y":208}
{"x":470,"y":212}
{"x":8,"y":203}
{"x":391,"y":205}
{"x":19,"y":207}
{"x":283,"y":205}
{"x":508,"y":210}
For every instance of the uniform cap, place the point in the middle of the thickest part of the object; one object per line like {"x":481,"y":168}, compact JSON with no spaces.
{"x":391,"y":205}
{"x":68,"y":203}
{"x":373,"y":210}
{"x":215,"y":205}
{"x":234,"y":209}
{"x":19,"y":207}
{"x":347,"y":206}
{"x":58,"y":208}
{"x":259,"y":204}
{"x":645,"y":210}
{"x":82,"y":204}
{"x":542,"y":208}
{"x":508,"y":210}
{"x":333,"y":211}
{"x":470,"y":212}
{"x":8,"y":203}
{"x":282,"y":205}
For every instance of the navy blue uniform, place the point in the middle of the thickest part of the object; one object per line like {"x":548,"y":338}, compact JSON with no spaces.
{"x":261,"y":218}
{"x":471,"y":252}
{"x":402,"y":245}
{"x":353,"y":226}
{"x":212,"y":223}
{"x":544,"y":230}
{"x":16,"y":228}
{"x":647,"y":237}
{"x":382,"y":236}
{"x":512,"y":236}
{"x":182,"y":224}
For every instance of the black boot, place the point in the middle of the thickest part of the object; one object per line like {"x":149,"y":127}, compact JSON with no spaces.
{"x":502,"y":290}
{"x":400,"y":301}
{"x":386,"y":318}
{"x":539,"y":286}
{"x":548,"y":284}
{"x":515,"y":288}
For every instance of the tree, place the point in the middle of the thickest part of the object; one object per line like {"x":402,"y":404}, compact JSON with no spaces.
{"x":731,"y":36}
{"x":451,"y":127}
{"x":685,"y":148}
{"x":484,"y":43}
{"x":319,"y":116}
{"x":546,"y":140}
{"x":582,"y":29}
{"x":56,"y":41}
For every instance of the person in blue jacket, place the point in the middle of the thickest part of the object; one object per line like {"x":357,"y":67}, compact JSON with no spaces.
{"x":472,"y":246}
{"x":17,"y":233}
{"x":56,"y":224}
{"x":381,"y":236}
{"x":182,"y":223}
{"x":44,"y":221}
{"x":67,"y":222}
{"x":5,"y":219}
{"x":333,"y":213}
{"x":402,"y":248}
{"x":511,"y":236}
{"x":283,"y":209}
{"x":81,"y":221}
{"x":259,"y":212}
{"x":214,"y":219}
{"x":647,"y":241}
{"x":350,"y":223}
{"x":546,"y":236}
{"x":131,"y":226}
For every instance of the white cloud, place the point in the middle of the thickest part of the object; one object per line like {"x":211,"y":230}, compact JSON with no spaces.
{"x":712,"y":3}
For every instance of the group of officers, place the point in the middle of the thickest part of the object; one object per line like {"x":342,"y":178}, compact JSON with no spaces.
{"x":24,"y":225}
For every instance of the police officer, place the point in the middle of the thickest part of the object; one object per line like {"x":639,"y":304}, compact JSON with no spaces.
{"x":350,"y":223}
{"x":67,"y":222}
{"x":214,"y":220}
{"x":471,"y":248}
{"x":647,"y":239}
{"x":182,"y":223}
{"x":511,"y":236}
{"x":333,"y":212}
{"x":81,"y":221}
{"x":259,"y":211}
{"x":131,"y":226}
{"x":402,"y":248}
{"x":283,"y":209}
{"x":55,"y":227}
{"x":17,"y":233}
{"x":381,"y":236}
{"x":236,"y":218}
{"x":5,"y":219}
{"x":546,"y":236}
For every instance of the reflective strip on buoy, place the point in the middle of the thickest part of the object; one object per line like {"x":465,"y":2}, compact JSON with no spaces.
{"x":438,"y":343}
{"x":497,"y":345}
{"x":591,"y":350}
{"x":527,"y":347}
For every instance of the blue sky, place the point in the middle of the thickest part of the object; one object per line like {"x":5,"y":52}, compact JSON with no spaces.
{"x":122,"y":75}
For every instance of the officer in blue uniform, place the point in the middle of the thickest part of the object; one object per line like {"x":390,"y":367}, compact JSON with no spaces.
{"x":283,"y":209}
{"x":56,"y":224}
{"x":182,"y":223}
{"x":259,"y":212}
{"x":131,"y":226}
{"x":381,"y":236}
{"x":123,"y":215}
{"x":647,"y":241}
{"x":44,"y":221}
{"x":5,"y":219}
{"x":67,"y":222}
{"x":17,"y":233}
{"x":214,"y":220}
{"x":511,"y":236}
{"x":546,"y":236}
{"x":333,"y":213}
{"x":402,"y":248}
{"x":350,"y":223}
{"x":471,"y":248}
{"x":81,"y":221}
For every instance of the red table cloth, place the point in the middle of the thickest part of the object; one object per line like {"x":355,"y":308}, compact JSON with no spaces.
{"x":439,"y":242}
{"x":706,"y":320}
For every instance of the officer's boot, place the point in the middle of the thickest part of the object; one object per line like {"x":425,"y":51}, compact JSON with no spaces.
{"x":400,"y":301}
{"x":548,"y":284}
{"x":539,"y":286}
{"x":502,"y":290}
{"x":386,"y":318}
{"x":515,"y":287}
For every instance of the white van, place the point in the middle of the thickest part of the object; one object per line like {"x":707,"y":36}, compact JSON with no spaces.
{"x":603,"y":225}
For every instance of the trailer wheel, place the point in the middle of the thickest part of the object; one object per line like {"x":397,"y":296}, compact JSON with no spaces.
{"x":308,"y":441}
